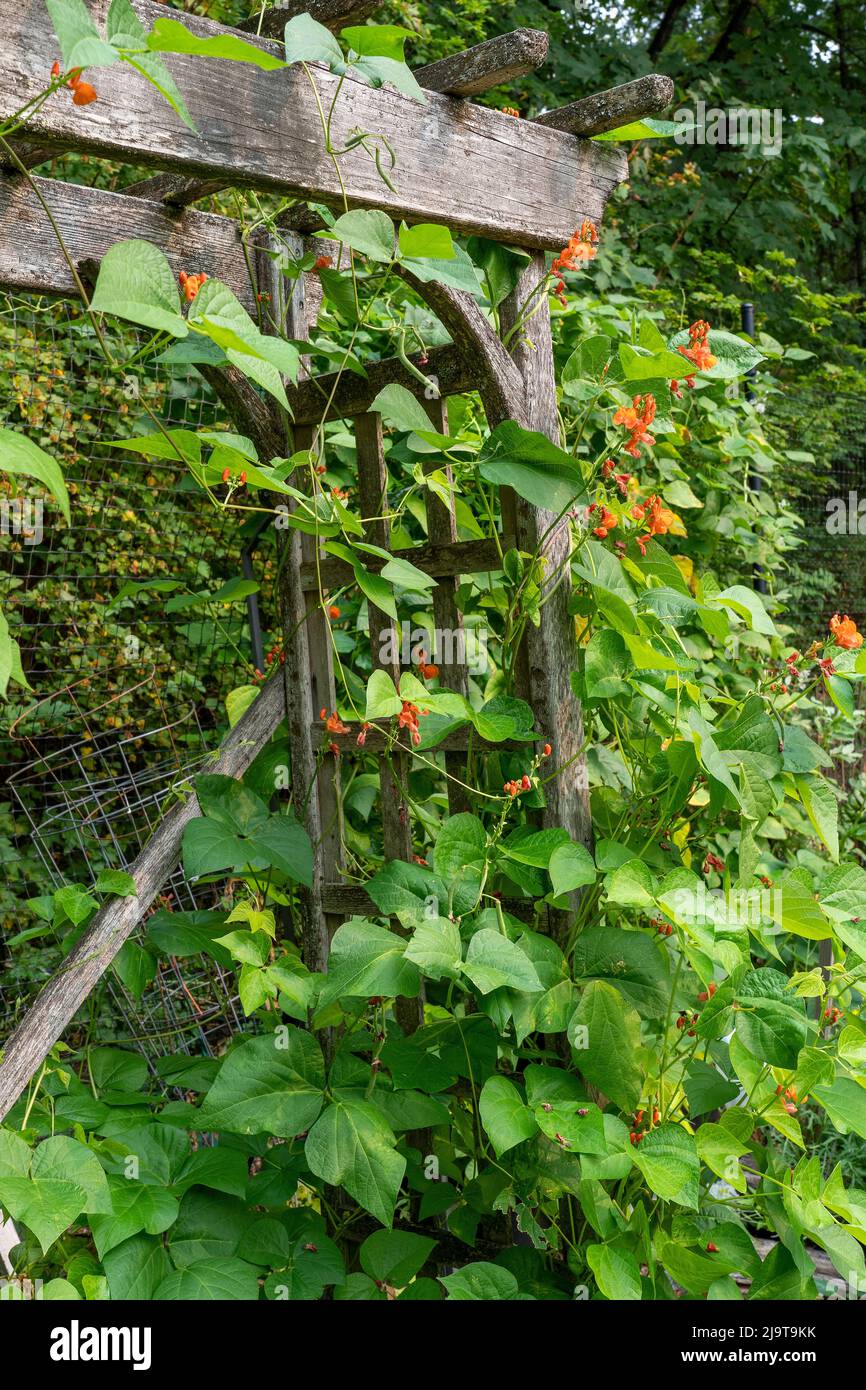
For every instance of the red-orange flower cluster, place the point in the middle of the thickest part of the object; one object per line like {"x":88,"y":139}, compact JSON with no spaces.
{"x":713,"y":861}
{"x":191,"y":284}
{"x":698,"y":350}
{"x":333,"y":722}
{"x":408,"y":719}
{"x":581,"y":247}
{"x":637,"y":418}
{"x":606,"y":522}
{"x":428,"y":670}
{"x":82,"y":92}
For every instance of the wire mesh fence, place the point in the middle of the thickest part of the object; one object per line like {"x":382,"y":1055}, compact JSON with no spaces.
{"x":91,"y":805}
{"x":822,"y":433}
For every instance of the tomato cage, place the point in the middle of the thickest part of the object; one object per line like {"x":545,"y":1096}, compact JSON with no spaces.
{"x":89,"y":806}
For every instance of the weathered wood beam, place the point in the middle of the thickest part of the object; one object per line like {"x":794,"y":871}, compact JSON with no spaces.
{"x":466,"y":74}
{"x":604,"y":111}
{"x":487,"y":65}
{"x":342,"y":395}
{"x":439,"y":561}
{"x":59,"y":1001}
{"x":90,"y":220}
{"x":174,"y":190}
{"x":477,"y":170}
{"x":497,"y":379}
{"x":458,"y":741}
{"x":548,"y":653}
{"x":334,"y":14}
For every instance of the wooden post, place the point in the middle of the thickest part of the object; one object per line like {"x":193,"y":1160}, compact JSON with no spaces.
{"x":394,"y":768}
{"x":447,"y":618}
{"x":308,"y":668}
{"x":549,"y":651}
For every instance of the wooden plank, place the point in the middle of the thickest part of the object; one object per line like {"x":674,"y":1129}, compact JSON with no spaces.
{"x":604,"y":111}
{"x":353,"y":900}
{"x":309,"y":674}
{"x":384,"y":639}
{"x":475,"y":169}
{"x":57,"y":1004}
{"x":550,"y":650}
{"x":91,"y":220}
{"x":384,"y":654}
{"x":174,"y":190}
{"x":343,"y":395}
{"x":455,"y":742}
{"x":487,"y":65}
{"x":440,"y":561}
{"x":334,"y":14}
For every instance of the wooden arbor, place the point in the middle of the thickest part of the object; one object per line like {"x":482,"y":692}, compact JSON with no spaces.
{"x":524,"y":183}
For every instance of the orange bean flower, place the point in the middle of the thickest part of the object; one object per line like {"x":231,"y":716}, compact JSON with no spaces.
{"x":190,"y":284}
{"x":698,"y":350}
{"x":637,"y":418}
{"x":83,"y":94}
{"x":845,"y":632}
{"x":581,"y":247}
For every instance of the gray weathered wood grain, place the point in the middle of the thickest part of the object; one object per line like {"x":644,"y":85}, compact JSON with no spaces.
{"x":173,"y":189}
{"x":447,"y":618}
{"x":57,"y":1004}
{"x":384,"y":654}
{"x":476,"y":169}
{"x":342,"y":395}
{"x":439,"y":560}
{"x":91,"y":220}
{"x":334,"y":14}
{"x":487,"y":65}
{"x":604,"y":111}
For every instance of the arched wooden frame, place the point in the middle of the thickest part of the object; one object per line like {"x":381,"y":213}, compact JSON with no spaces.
{"x":565,"y":179}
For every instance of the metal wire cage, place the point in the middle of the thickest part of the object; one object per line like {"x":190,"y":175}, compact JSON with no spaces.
{"x":92,"y":804}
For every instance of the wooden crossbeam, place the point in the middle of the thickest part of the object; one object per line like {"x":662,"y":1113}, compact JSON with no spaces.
{"x":334,"y":14}
{"x":466,"y":74}
{"x":475,"y":169}
{"x":342,"y":395}
{"x":439,"y":560}
{"x":457,"y":741}
{"x":174,"y":190}
{"x":487,"y":65}
{"x":604,"y":111}
{"x":353,"y":900}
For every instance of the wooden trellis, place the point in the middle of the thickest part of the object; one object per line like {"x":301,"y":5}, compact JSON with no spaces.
{"x":524,"y":183}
